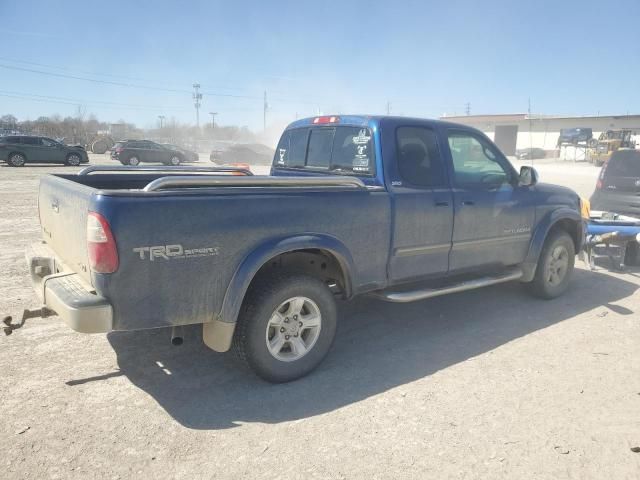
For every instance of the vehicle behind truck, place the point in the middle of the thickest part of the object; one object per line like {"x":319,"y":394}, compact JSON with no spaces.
{"x":395,"y":208}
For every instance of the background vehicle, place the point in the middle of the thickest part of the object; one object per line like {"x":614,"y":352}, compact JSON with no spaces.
{"x":188,"y":155}
{"x":609,"y":142}
{"x":249,"y":153}
{"x":530,"y":153}
{"x":574,"y":136}
{"x":135,"y":152}
{"x":400,"y":208}
{"x":21,"y":149}
{"x":618,"y":186}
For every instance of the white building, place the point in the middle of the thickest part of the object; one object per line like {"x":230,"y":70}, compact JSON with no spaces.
{"x":519,"y":130}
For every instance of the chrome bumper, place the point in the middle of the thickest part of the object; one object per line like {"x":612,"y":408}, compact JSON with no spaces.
{"x":65,"y":293}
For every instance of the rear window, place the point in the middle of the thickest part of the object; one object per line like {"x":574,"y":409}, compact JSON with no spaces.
{"x":624,"y":164}
{"x":341,"y":150}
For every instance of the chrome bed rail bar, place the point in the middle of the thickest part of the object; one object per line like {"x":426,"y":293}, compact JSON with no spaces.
{"x":210,"y":170}
{"x":252,"y":181}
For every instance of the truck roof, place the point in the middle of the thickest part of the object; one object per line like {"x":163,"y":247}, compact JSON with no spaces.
{"x":367,"y":120}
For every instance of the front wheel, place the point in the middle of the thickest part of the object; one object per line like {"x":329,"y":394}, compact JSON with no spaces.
{"x":174,"y":160}
{"x":286,"y":327}
{"x":555,"y":266}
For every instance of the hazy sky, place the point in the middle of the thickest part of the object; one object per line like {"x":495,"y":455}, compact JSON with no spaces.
{"x":425,"y":58}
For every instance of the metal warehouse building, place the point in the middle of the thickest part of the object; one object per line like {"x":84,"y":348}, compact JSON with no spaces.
{"x":520,"y":130}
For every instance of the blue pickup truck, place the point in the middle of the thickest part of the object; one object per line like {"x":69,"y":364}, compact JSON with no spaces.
{"x":400,"y":209}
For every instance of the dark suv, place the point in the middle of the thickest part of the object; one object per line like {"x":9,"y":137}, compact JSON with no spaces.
{"x":618,"y":187}
{"x":574,"y":136}
{"x":17,"y":150}
{"x":134,"y":152}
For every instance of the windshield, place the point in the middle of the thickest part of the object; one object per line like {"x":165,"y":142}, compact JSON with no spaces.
{"x":342,"y":150}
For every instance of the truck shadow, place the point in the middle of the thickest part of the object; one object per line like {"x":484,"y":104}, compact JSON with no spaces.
{"x":379,"y":346}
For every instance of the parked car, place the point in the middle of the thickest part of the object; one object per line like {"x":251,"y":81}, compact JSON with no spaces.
{"x":19,"y":150}
{"x":618,"y":186}
{"x":574,"y":136}
{"x":248,"y":153}
{"x":188,"y":155}
{"x":530,"y":153}
{"x":396,"y":208}
{"x":135,"y":152}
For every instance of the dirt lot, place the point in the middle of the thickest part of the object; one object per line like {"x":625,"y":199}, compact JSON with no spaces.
{"x":485,"y":384}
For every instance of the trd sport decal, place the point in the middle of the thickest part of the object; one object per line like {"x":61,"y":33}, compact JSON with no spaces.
{"x":171,"y":252}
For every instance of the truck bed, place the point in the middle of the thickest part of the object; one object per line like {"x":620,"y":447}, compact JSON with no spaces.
{"x":215,"y":228}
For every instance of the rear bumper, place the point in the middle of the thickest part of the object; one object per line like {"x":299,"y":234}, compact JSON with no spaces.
{"x":65,"y":293}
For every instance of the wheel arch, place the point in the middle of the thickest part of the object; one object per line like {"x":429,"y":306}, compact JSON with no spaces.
{"x":263,"y":256}
{"x":562,"y":218}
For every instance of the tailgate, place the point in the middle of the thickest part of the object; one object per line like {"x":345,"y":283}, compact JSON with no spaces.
{"x":63,"y":207}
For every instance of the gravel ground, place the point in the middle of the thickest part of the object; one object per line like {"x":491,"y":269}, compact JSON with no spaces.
{"x":485,"y":384}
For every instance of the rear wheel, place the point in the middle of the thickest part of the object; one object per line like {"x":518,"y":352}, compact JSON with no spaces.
{"x":133,"y":161}
{"x":555,"y":266}
{"x":73,"y":160}
{"x":175,"y":160}
{"x":285,"y":327}
{"x":17,"y":160}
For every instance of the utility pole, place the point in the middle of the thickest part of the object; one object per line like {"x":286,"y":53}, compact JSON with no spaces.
{"x":388,"y":107}
{"x":197,"y":96}
{"x":467,"y":108}
{"x":265,"y":107}
{"x":213,"y":119}
{"x":161,"y":118}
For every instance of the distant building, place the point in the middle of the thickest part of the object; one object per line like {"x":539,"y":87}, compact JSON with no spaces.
{"x":520,"y":131}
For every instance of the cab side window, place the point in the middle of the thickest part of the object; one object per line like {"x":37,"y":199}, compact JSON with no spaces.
{"x":475,"y":162}
{"x":419,"y":159}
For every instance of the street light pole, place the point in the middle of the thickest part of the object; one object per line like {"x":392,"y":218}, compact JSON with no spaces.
{"x":161,"y":118}
{"x":213,"y":119}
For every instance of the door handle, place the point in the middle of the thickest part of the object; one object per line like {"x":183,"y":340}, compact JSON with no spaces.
{"x":467,"y":202}
{"x":442,"y":204}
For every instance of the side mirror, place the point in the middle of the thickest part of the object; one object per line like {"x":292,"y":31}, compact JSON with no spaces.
{"x":528,"y":176}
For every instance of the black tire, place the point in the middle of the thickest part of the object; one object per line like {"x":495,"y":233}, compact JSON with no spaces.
{"x":252,"y":329}
{"x":632,"y":254}
{"x":174,"y":161}
{"x":133,"y":160}
{"x":73,"y":160}
{"x":17,"y":160}
{"x":545,"y":284}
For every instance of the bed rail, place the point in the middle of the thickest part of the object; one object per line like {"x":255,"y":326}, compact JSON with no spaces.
{"x":105,"y":168}
{"x":252,"y":181}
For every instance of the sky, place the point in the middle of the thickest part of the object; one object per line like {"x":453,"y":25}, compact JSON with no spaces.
{"x":136,"y":60}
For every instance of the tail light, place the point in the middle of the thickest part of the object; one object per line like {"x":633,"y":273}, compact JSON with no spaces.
{"x":103,"y":254}
{"x":244,"y":166}
{"x":119,"y":150}
{"x":598,"y":184}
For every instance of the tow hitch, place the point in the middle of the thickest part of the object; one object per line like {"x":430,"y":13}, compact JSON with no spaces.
{"x":9,"y":326}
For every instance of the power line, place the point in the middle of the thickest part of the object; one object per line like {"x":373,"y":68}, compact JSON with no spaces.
{"x":121,"y":84}
{"x":75,"y":101}
{"x":95,"y":74}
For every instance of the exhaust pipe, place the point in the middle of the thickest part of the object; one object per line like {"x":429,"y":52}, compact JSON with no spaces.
{"x":177,"y":336}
